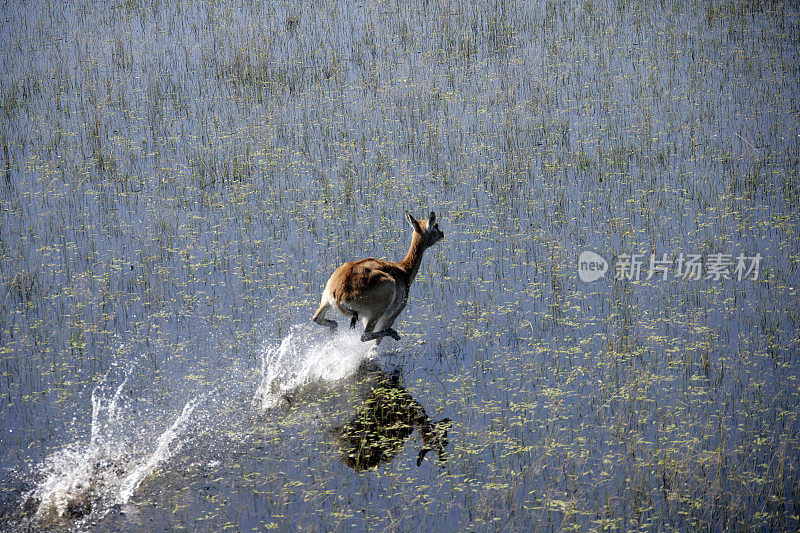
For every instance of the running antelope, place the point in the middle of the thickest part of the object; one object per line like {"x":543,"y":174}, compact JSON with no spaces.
{"x":376,"y":291}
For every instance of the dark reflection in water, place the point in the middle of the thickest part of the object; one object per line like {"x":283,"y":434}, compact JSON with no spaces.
{"x":384,"y":420}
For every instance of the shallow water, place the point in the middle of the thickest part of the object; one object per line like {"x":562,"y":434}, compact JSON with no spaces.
{"x":314,"y":379}
{"x":178,"y":180}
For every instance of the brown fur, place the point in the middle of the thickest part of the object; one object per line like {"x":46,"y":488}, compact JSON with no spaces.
{"x":374,"y":290}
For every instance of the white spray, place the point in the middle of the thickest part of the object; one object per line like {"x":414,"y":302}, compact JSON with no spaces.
{"x":89,"y":478}
{"x":302,"y":358}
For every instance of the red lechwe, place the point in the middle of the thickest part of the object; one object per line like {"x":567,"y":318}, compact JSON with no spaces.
{"x":376,"y":291}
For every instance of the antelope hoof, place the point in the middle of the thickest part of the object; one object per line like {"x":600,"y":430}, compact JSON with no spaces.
{"x":388,"y":332}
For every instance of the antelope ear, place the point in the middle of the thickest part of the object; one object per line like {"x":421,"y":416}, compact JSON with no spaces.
{"x":432,"y":218}
{"x":413,"y":222}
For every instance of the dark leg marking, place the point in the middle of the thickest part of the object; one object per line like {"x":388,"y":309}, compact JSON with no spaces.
{"x":388,"y":332}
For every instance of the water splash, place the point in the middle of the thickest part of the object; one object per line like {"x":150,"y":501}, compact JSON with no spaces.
{"x":304,"y":357}
{"x":161,"y":453}
{"x":86,"y":479}
{"x":89,"y":478}
{"x":105,"y":412}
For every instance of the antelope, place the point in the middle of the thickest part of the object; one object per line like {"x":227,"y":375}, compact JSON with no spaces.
{"x":376,"y":291}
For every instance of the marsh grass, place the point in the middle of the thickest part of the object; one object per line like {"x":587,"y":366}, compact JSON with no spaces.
{"x":180,"y":178}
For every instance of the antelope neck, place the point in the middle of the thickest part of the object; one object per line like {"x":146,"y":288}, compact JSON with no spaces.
{"x":414,"y":256}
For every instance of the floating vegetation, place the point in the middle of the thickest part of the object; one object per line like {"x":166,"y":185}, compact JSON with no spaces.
{"x":179,"y":179}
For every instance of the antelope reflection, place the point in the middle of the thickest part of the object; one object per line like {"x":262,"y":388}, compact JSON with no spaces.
{"x":383,"y":422}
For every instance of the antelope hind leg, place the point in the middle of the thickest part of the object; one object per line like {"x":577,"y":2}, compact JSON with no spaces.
{"x":387,"y":332}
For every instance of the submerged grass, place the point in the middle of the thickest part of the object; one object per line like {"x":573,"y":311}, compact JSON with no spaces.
{"x":179,"y":179}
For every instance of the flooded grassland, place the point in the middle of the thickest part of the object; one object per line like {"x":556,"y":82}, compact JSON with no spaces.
{"x":179,"y":179}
